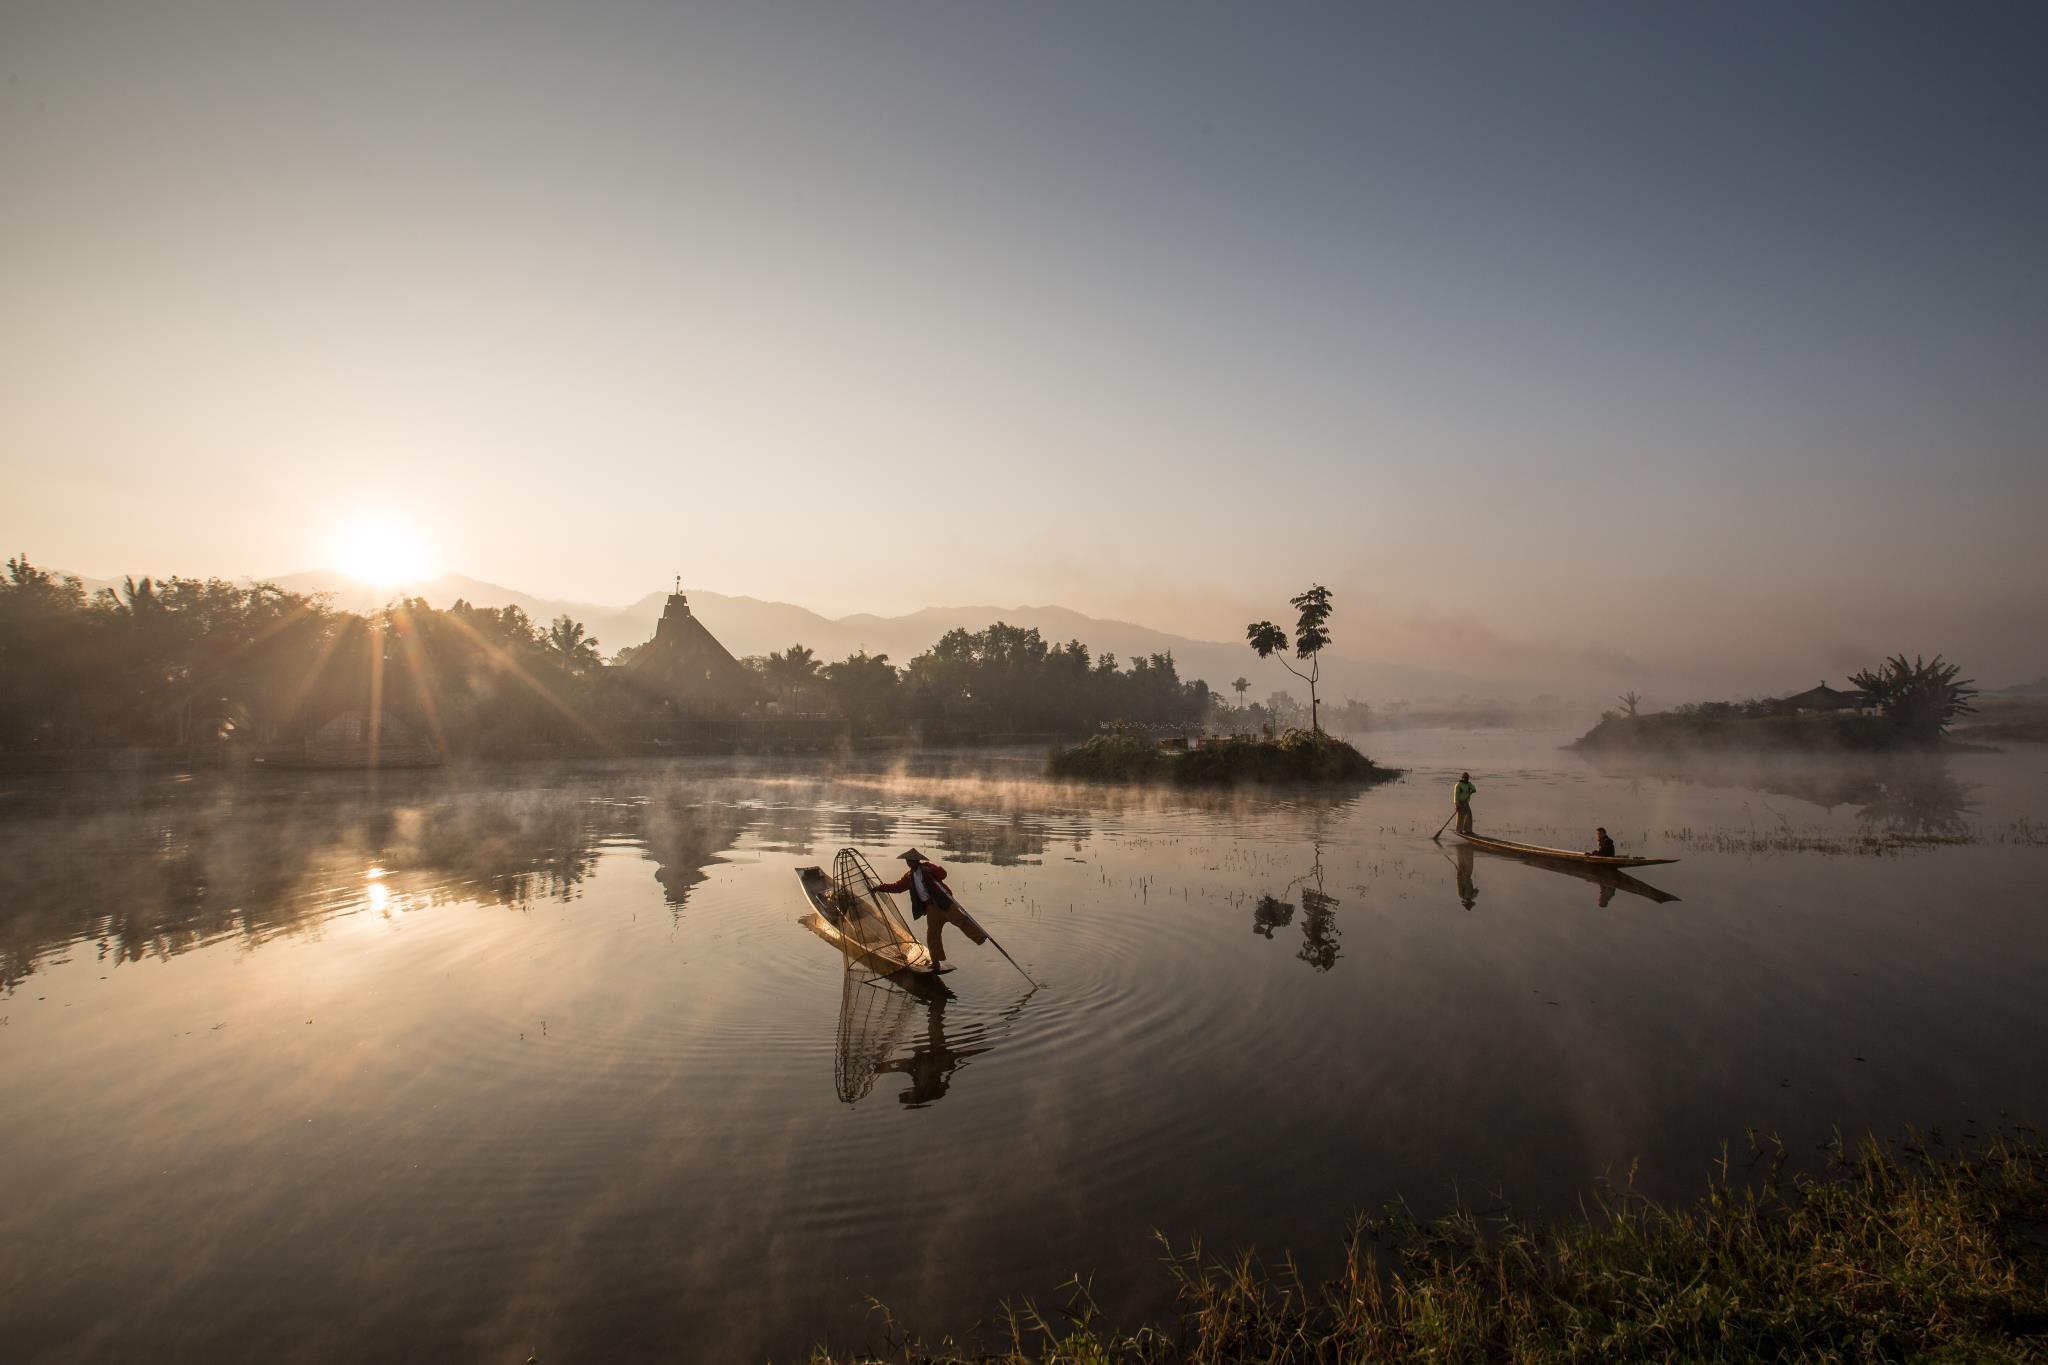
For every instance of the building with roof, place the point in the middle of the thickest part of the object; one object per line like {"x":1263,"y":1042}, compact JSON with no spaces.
{"x":683,"y":672}
{"x":1823,"y":699}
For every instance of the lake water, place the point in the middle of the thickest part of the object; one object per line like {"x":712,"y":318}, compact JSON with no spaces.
{"x":536,"y":1060}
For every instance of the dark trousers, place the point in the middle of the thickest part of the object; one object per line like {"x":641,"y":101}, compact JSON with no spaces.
{"x":1464,"y":817}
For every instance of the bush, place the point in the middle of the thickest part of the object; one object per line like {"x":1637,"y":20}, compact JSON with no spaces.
{"x":1297,"y":756}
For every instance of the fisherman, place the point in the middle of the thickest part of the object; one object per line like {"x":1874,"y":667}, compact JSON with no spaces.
{"x":1461,"y":796}
{"x":1603,"y":846}
{"x":929,"y":899}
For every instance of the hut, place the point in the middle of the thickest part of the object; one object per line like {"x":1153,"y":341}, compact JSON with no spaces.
{"x":1823,"y":699}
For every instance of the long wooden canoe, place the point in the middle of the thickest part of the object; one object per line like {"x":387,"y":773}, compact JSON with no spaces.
{"x":906,"y":957}
{"x":1562,"y":855}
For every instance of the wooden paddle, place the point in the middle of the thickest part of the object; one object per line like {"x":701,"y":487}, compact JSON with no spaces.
{"x":1438,"y":837}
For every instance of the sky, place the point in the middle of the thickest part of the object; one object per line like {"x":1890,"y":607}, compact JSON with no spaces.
{"x":1619,"y":345}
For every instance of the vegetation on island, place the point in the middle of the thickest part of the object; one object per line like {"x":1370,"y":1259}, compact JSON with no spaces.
{"x":1231,"y":760}
{"x":1228,"y":760}
{"x":1902,"y":704}
{"x":1896,"y":1251}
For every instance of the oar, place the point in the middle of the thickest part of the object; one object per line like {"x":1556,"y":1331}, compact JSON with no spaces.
{"x":1438,"y":837}
{"x":1011,"y":960}
{"x":992,"y":939}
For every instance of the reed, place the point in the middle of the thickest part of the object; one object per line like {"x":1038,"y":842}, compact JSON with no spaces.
{"x":1895,"y":1251}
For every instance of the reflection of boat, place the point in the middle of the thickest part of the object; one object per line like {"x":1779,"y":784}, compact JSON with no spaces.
{"x":1564,"y":855}
{"x":861,"y":922}
{"x":1609,"y":879}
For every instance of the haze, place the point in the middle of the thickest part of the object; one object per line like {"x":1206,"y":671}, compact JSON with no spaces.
{"x":1621,"y":342}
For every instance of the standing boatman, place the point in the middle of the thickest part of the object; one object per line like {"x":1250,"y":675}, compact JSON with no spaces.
{"x":929,"y":899}
{"x":1461,"y":797}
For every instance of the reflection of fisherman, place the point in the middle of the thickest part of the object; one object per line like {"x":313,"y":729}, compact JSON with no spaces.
{"x":930,"y":1067}
{"x":1468,"y":890}
{"x":1461,"y":796}
{"x":929,"y":899}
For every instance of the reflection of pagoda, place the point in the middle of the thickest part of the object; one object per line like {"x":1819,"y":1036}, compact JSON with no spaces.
{"x":685,"y":669}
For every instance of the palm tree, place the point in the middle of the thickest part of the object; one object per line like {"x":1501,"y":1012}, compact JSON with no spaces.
{"x":1241,"y":686}
{"x":566,"y":638}
{"x":793,"y":670}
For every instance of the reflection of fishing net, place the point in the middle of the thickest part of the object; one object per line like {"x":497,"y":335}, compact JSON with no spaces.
{"x":867,"y":917}
{"x":871,"y":1018}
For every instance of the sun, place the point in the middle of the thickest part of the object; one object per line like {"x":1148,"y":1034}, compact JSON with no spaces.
{"x":383,"y":552}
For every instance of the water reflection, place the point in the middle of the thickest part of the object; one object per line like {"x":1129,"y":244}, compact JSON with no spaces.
{"x":158,"y":880}
{"x":1608,"y":879}
{"x":1909,"y":794}
{"x":1468,"y":888}
{"x":1319,"y":933}
{"x":876,"y":1014}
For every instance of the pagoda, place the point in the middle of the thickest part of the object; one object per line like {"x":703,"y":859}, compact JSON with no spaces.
{"x":684,"y":669}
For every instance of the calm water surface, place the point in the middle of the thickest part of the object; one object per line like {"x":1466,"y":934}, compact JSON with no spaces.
{"x":537,"y":1061}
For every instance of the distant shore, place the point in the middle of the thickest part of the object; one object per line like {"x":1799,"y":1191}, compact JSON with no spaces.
{"x":1703,"y":731}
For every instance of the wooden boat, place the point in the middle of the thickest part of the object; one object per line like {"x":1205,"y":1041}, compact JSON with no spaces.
{"x":1560,"y":855}
{"x":863,"y":937}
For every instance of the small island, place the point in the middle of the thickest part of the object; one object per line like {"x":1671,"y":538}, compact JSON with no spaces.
{"x":1219,"y":761}
{"x":1901,"y":705}
{"x":1298,"y":756}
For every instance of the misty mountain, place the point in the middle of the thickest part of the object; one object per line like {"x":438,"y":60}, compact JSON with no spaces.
{"x":748,"y":625}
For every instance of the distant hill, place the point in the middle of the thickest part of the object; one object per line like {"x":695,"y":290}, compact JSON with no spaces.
{"x":748,"y":625}
{"x":2036,"y":688}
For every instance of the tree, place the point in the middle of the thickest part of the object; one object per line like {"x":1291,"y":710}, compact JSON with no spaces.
{"x":1241,"y":686}
{"x":1310,"y":636}
{"x":792,"y":671}
{"x":1920,"y":697}
{"x":566,"y":638}
{"x":863,"y":686}
{"x":1630,"y":703}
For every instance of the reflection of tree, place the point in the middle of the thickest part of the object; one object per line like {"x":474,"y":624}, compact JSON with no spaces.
{"x":1003,"y":844}
{"x":1318,"y":927}
{"x":1918,"y":796}
{"x":156,"y":879}
{"x":1911,"y":793}
{"x":1319,"y":935}
{"x":1271,"y":913}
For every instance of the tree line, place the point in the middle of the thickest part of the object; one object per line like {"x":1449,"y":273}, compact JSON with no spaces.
{"x":189,"y":661}
{"x":1004,"y":679}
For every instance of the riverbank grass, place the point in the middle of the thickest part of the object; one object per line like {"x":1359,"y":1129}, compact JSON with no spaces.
{"x":1299,"y":756}
{"x":1907,"y":1251}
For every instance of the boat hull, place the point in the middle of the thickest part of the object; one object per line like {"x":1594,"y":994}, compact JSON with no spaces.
{"x":911,"y":959}
{"x":1559,"y":855}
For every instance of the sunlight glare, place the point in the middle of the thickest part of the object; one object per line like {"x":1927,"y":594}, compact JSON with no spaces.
{"x":383,"y":553}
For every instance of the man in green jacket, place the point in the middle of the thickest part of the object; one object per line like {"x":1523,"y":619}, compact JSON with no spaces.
{"x":1462,"y":796}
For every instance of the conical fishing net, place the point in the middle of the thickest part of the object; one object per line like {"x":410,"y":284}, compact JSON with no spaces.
{"x":868,"y":918}
{"x":872,"y":1014}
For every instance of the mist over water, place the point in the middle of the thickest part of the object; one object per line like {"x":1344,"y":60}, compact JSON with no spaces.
{"x":490,"y":1062}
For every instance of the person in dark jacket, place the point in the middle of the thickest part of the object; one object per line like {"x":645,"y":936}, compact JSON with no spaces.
{"x":1603,"y":845}
{"x":929,"y":900}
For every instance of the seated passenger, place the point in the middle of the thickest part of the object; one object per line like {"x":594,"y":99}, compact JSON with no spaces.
{"x":1604,"y":846}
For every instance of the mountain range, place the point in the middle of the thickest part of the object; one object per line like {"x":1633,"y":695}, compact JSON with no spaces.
{"x":748,"y":625}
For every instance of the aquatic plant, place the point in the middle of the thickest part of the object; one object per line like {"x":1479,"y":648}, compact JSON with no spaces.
{"x":1903,"y":1250}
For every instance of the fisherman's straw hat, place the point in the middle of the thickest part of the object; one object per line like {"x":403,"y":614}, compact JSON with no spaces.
{"x":913,"y":857}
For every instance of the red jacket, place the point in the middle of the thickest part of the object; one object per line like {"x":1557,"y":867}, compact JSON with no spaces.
{"x":902,"y":883}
